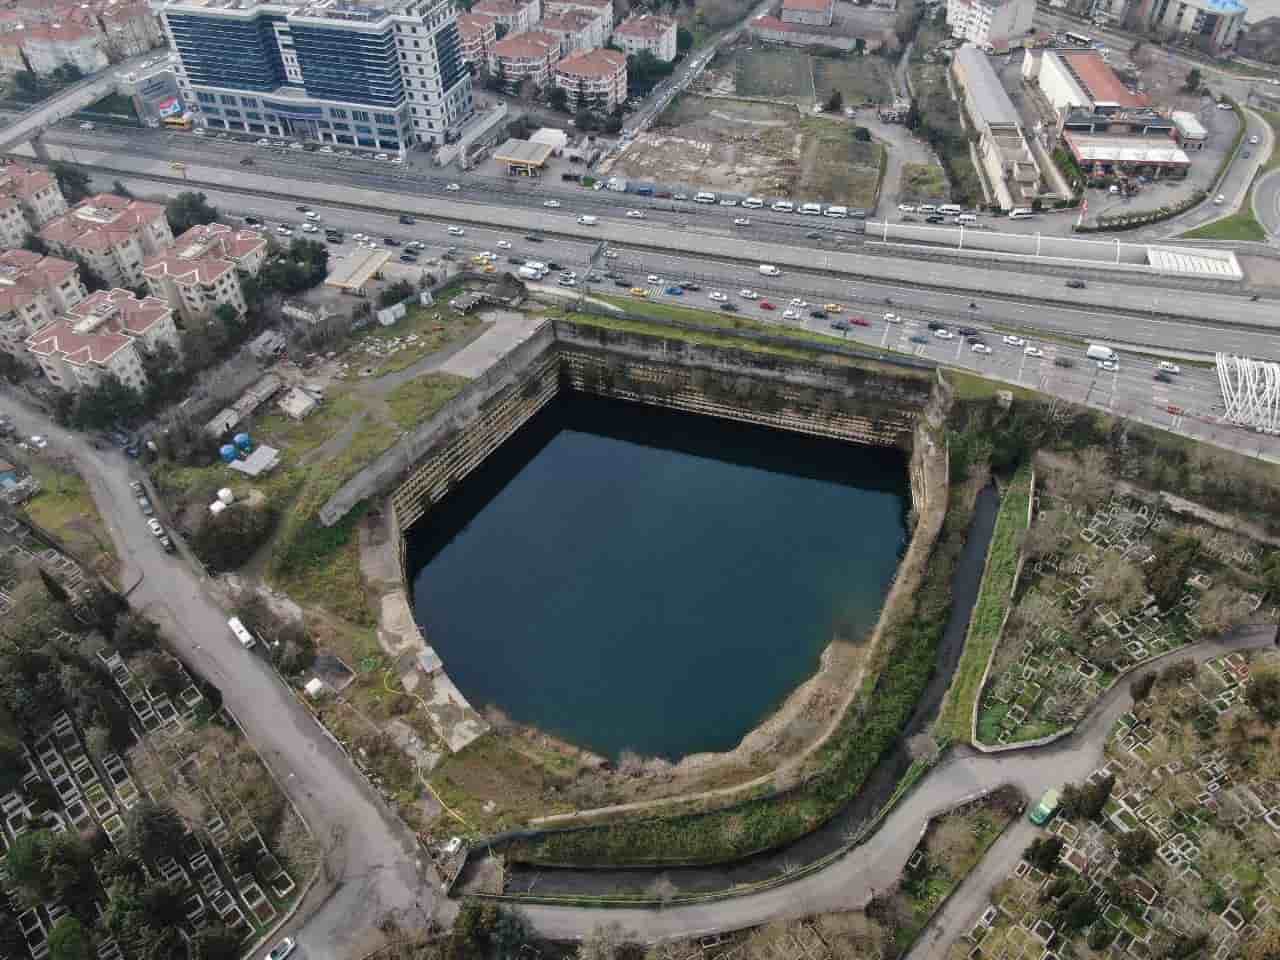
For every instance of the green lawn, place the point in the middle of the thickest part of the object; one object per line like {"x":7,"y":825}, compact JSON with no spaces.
{"x":65,"y":508}
{"x":1238,"y":226}
{"x":988,"y":614}
{"x":418,"y":400}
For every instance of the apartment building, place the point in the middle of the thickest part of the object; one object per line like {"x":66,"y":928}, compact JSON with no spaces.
{"x":595,"y":79}
{"x":511,"y":16}
{"x":478,"y":32}
{"x":11,"y":59}
{"x":113,"y":235}
{"x":34,"y":291}
{"x":812,"y":13}
{"x":1215,"y":23}
{"x":524,"y":58}
{"x":380,"y":74}
{"x":989,"y":22}
{"x":29,"y":198}
{"x":576,"y":30}
{"x":200,"y":272}
{"x":602,"y":8}
{"x":103,"y":335}
{"x":129,"y":29}
{"x":646,"y":32}
{"x":50,"y":46}
{"x":1005,"y":158}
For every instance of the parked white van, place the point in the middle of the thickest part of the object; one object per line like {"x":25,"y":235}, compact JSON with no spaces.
{"x":769,"y":270}
{"x":950,"y":208}
{"x":837,"y":213}
{"x":783,"y":206}
{"x":1021,"y":213}
{"x":754,"y":203}
{"x":704,"y":197}
{"x":926,"y":208}
{"x":811,"y":209}
{"x":587,"y":220}
{"x":967,"y":218}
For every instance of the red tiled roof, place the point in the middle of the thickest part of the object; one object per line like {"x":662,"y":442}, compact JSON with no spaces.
{"x":121,"y":316}
{"x":221,"y":240}
{"x":571,"y":21}
{"x":593,"y":63}
{"x":500,"y":8}
{"x":24,"y":274}
{"x":476,"y":24}
{"x":1101,"y":82}
{"x":18,"y":180}
{"x":529,"y":45}
{"x":644,"y":26}
{"x":820,"y":6}
{"x":100,"y":222}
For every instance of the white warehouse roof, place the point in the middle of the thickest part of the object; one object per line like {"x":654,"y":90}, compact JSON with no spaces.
{"x":1188,"y":125}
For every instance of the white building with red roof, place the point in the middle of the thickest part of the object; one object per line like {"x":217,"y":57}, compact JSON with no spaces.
{"x":200,"y":272}
{"x":103,"y":336}
{"x":814,"y":13}
{"x":512,"y":16}
{"x":50,"y":46}
{"x":647,"y":32}
{"x":522,"y":57}
{"x":594,"y":79}
{"x":602,"y":8}
{"x":478,"y":32}
{"x":113,"y":235}
{"x":29,"y":198}
{"x":34,"y":291}
{"x":575,"y":29}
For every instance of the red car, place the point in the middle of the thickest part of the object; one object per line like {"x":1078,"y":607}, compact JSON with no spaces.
{"x":860,"y":321}
{"x":766,"y":305}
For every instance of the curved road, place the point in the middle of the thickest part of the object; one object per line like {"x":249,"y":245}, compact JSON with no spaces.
{"x":1266,"y":203}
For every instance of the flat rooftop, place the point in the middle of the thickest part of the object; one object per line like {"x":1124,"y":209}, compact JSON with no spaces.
{"x":1101,"y":82}
{"x":985,"y":90}
{"x":1195,"y":262}
{"x":1124,"y":149}
{"x":524,"y":152}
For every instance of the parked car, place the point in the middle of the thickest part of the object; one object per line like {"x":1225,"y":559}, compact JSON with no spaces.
{"x":919,"y":338}
{"x":1043,"y":811}
{"x":766,"y":305}
{"x":1065,"y":362}
{"x":281,"y":949}
{"x":145,"y":506}
{"x":729,"y":307}
{"x":1032,"y":352}
{"x":391,"y":241}
{"x":407,"y":220}
{"x":453,"y":188}
{"x":1076,"y":284}
{"x":533,"y":238}
{"x":818,"y":314}
{"x":839,"y":324}
{"x":166,"y":543}
{"x":154,"y":526}
{"x":1162,"y":377}
{"x":942,"y":333}
{"x":1166,"y":367}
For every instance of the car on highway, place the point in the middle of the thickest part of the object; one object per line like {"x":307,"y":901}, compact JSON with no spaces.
{"x":1013,"y":341}
{"x":284,"y":231}
{"x":635,"y":214}
{"x":741,"y":222}
{"x":504,"y":244}
{"x":980,"y":348}
{"x":818,"y":314}
{"x":252,"y":221}
{"x":391,"y":241}
{"x":407,"y":220}
{"x":381,"y":156}
{"x":553,"y":204}
{"x":891,"y":318}
{"x":674,"y":291}
{"x":935,"y":218}
{"x":456,"y":231}
{"x":729,"y":307}
{"x":839,"y":324}
{"x":832,"y":307}
{"x":1110,"y":366}
{"x":1075,"y":284}
{"x":310,"y":228}
{"x":639,"y":292}
{"x":748,"y":295}
{"x":919,"y":338}
{"x":813,"y":235}
{"x":942,"y":333}
{"x":533,"y":238}
{"x":680,"y":196}
{"x":408,"y":258}
{"x":1220,"y":199}
{"x":653,"y":278}
{"x":359,"y":237}
{"x":766,"y":305}
{"x":453,"y":188}
{"x":1225,"y":106}
{"x":1065,"y":362}
{"x":281,"y":949}
{"x":1165,"y":366}
{"x":797,"y":302}
{"x":690,"y":285}
{"x":717,"y":296}
{"x":1032,"y":352}
{"x":263,"y":142}
{"x":1162,"y":377}
{"x":621,"y":282}
{"x":567,"y":281}
{"x":326,"y":149}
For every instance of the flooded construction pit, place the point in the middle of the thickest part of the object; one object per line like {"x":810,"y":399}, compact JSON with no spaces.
{"x":629,"y":578}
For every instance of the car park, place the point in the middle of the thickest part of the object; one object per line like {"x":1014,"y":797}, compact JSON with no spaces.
{"x":980,"y":348}
{"x":766,"y":305}
{"x":1013,"y":341}
{"x":942,"y":333}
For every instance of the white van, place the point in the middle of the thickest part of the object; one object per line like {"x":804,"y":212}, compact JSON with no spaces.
{"x":587,"y":220}
{"x":926,"y":208}
{"x":1102,"y":353}
{"x":811,"y":209}
{"x":967,"y":218}
{"x":783,"y":206}
{"x":754,"y":203}
{"x":837,"y":213}
{"x":1021,"y":213}
{"x":238,"y":630}
{"x":704,"y":197}
{"x":769,"y":270}
{"x":950,"y":208}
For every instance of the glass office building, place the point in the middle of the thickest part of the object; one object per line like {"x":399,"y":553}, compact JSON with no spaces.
{"x":378,"y":75}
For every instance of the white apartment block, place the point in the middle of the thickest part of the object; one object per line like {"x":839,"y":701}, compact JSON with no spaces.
{"x":478,"y":32}
{"x":48,"y":47}
{"x":34,"y":291}
{"x":647,"y":32}
{"x":524,"y":57}
{"x":200,"y":272}
{"x":102,"y":336}
{"x":575,"y":30}
{"x":604,"y":8}
{"x":512,"y":16}
{"x":29,"y":198}
{"x":988,"y":22}
{"x":595,"y":79}
{"x":113,"y":235}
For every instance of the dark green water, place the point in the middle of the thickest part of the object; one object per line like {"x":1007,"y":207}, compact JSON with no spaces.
{"x":631,"y":578}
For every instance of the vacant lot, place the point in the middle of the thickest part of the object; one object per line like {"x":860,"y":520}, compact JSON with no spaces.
{"x":860,"y":79}
{"x":744,"y":147}
{"x":923,"y":181}
{"x":769,"y":72}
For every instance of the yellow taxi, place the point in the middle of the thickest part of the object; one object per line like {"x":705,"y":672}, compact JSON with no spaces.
{"x":639,"y":292}
{"x":833,"y":308}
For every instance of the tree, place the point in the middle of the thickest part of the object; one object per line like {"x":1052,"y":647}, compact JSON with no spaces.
{"x":1167,"y":576}
{"x":396,"y":292}
{"x":1085,"y":802}
{"x":56,"y":591}
{"x":188,"y":210}
{"x":1135,"y":848}
{"x":862,"y":134}
{"x":35,"y":243}
{"x":110,"y":402}
{"x":25,"y":861}
{"x":684,"y":40}
{"x":227,"y":540}
{"x":73,"y":182}
{"x":1140,"y":686}
{"x":835,"y":102}
{"x":93,"y":280}
{"x":26,"y":83}
{"x":154,"y":831}
{"x":559,"y":98}
{"x":120,"y":190}
{"x":1263,"y":692}
{"x":1194,"y":81}
{"x":1043,"y":853}
{"x":68,"y":940}
{"x":215,"y":943}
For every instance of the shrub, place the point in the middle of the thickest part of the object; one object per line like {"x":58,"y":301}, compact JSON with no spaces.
{"x":1044,"y":853}
{"x":1135,"y":849}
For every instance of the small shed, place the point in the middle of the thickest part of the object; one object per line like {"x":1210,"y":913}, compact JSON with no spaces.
{"x":297,"y":404}
{"x":557,"y":140}
{"x":354,"y":271}
{"x":314,"y":687}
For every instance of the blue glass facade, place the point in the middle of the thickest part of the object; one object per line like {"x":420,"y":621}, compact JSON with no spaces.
{"x":449,"y":52}
{"x":349,"y":65}
{"x":229,"y":52}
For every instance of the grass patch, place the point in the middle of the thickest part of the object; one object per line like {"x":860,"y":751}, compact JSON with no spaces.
{"x":840,"y":766}
{"x":435,"y":327}
{"x":321,"y":565}
{"x":989,"y":612}
{"x":1237,"y":226}
{"x":420,"y":398}
{"x":1273,"y":119}
{"x":860,"y":79}
{"x":767,"y":72}
{"x":65,"y":508}
{"x":835,"y":165}
{"x":922,"y":181}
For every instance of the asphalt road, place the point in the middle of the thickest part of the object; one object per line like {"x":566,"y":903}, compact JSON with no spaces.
{"x":370,"y":857}
{"x":1266,"y":203}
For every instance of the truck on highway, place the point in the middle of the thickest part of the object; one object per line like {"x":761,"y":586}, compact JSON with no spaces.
{"x":769,"y":270}
{"x":1100,"y":351}
{"x":587,"y":220}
